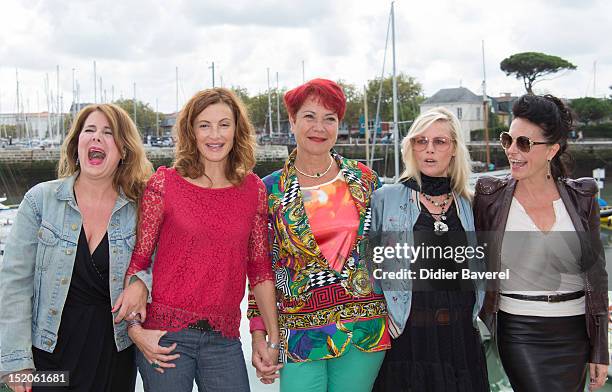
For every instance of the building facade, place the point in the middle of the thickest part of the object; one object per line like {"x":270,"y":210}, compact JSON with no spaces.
{"x":466,"y":105}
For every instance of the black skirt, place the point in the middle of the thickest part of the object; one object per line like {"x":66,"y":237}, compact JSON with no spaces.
{"x":86,"y":342}
{"x":542,"y":354}
{"x":439,"y":351}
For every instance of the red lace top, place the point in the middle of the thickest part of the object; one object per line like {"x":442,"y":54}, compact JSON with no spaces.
{"x":206,"y":242}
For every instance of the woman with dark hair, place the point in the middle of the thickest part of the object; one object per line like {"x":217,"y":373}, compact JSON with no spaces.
{"x":333,"y":324}
{"x":206,"y":221}
{"x":550,"y":317}
{"x":66,"y":257}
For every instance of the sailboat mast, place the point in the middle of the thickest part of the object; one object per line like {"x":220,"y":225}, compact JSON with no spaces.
{"x":269,"y":105}
{"x":57,"y":105}
{"x":134,"y":102}
{"x":95,"y":83}
{"x":18,"y":128}
{"x":485,"y":110}
{"x":277,"y":106}
{"x":395,"y":129}
{"x":48,"y":96}
{"x":3,"y":126}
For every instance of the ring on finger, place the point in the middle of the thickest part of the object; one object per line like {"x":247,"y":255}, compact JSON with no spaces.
{"x":155,"y":364}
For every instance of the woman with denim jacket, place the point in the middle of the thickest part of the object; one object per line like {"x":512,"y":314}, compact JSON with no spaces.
{"x":432,"y":319}
{"x":66,"y":258}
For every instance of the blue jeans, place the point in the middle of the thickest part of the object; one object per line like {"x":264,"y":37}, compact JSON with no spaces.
{"x":216,"y":363}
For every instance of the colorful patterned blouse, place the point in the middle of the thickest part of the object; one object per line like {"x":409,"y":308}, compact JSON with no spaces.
{"x":333,"y":218}
{"x":321,"y":310}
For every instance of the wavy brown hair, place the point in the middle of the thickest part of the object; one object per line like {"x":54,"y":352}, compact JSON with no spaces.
{"x":134,"y":168}
{"x":241,"y":159}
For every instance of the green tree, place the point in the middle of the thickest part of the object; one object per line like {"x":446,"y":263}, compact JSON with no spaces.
{"x":242,"y":93}
{"x":531,"y":66}
{"x":145,"y":115}
{"x":257,"y":106}
{"x":590,"y":109}
{"x":409,"y":97}
{"x":7,"y":131}
{"x":354,"y":103}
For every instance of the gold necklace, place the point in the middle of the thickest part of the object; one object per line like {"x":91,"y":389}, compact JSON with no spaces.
{"x":316,"y":175}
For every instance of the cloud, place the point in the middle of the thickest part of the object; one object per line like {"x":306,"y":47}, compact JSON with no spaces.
{"x":438,"y":42}
{"x":261,"y":13}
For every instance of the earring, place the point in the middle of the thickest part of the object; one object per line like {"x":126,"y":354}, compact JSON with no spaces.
{"x":77,"y":161}
{"x":548,"y":175}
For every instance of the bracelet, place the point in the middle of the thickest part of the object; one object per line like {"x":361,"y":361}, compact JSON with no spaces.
{"x":131,"y":323}
{"x":273,"y":346}
{"x":133,"y":279}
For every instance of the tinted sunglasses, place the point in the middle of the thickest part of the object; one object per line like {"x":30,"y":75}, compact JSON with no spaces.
{"x":523,"y":143}
{"x":420,"y":143}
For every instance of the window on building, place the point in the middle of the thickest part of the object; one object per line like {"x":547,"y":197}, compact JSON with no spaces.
{"x":459,"y":113}
{"x":478,"y":114}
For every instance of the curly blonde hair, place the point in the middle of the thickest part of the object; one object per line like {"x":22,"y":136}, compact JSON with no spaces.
{"x":134,"y":170}
{"x":241,"y":158}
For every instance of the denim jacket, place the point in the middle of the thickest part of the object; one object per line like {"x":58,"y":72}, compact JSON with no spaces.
{"x":37,"y":269}
{"x":395,"y":210}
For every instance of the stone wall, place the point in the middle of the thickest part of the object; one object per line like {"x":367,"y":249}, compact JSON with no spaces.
{"x":8,"y":155}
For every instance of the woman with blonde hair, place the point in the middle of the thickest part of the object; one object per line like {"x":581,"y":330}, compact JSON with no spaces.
{"x":436,"y":344}
{"x":206,"y":221}
{"x":66,"y":257}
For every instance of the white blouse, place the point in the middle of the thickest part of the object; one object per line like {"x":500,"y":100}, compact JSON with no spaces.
{"x":541,"y":263}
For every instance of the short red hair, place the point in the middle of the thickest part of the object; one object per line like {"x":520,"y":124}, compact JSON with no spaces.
{"x":328,"y":93}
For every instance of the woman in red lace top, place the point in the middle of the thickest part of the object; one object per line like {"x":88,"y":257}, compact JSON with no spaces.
{"x":205,"y":219}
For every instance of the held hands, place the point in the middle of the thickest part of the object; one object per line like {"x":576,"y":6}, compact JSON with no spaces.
{"x":264,"y":358}
{"x":132,"y":301}
{"x":17,"y":385}
{"x":147,"y":341}
{"x":598,"y":374}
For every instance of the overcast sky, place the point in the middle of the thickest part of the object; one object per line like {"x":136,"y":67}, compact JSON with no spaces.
{"x":437,"y":42}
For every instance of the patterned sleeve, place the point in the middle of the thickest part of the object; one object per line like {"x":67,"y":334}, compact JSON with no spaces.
{"x":259,"y":267}
{"x":151,"y":216}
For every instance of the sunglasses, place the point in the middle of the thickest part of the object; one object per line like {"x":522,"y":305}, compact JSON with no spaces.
{"x":420,"y":143}
{"x":523,"y":143}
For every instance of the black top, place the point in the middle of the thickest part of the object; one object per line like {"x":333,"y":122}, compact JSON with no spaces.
{"x":90,"y":274}
{"x":86,"y":341}
{"x":455,"y":237}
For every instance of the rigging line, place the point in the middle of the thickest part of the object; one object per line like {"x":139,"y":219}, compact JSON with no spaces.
{"x":382,"y":79}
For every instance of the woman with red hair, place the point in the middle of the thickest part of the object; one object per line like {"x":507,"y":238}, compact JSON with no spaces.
{"x":333,"y":330}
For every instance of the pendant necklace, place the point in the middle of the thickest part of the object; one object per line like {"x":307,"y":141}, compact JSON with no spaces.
{"x":439,"y":226}
{"x":316,"y":175}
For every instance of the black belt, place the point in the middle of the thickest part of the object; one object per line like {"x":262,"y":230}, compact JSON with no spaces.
{"x":201,"y":325}
{"x":547,"y":298}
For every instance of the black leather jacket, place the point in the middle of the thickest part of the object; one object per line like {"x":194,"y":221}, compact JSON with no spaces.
{"x":491,"y":207}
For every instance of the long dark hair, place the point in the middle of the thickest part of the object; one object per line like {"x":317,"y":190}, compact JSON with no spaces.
{"x":555,"y":119}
